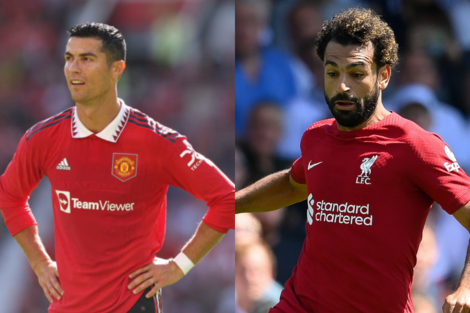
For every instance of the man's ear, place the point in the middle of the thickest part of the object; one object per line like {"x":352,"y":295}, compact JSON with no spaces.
{"x":384,"y":74}
{"x":117,"y":68}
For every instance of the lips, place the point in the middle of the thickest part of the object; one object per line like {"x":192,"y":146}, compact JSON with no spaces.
{"x":345,"y":105}
{"x":77,"y":82}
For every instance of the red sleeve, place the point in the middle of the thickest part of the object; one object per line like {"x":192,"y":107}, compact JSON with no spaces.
{"x":436,"y":171}
{"x":196,"y":174}
{"x":297,"y":171}
{"x":16,"y":184}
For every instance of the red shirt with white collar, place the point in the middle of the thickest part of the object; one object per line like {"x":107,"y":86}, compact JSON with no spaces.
{"x":109,"y":199}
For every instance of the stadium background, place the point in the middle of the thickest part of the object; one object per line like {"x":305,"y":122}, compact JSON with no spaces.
{"x":431,"y":85}
{"x":179,"y":71}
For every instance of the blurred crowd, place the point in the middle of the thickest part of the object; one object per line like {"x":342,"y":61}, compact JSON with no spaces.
{"x":179,"y":71}
{"x":279,"y":94}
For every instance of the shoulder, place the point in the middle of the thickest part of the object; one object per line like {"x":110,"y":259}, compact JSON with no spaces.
{"x":411,"y":132}
{"x":48,"y":126}
{"x":143,"y":122}
{"x":421,"y":142}
{"x":323,"y":125}
{"x":317,"y":130}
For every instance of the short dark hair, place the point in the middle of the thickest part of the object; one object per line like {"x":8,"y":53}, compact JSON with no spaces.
{"x":114,"y":44}
{"x":358,"y":26}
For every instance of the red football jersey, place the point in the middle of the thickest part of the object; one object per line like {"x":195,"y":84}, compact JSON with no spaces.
{"x":109,"y":199}
{"x":369,"y":193}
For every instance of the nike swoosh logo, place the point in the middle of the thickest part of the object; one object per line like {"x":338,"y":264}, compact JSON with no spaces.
{"x":313,"y":165}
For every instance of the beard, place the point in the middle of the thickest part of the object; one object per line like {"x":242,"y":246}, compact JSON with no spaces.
{"x":365,"y":107}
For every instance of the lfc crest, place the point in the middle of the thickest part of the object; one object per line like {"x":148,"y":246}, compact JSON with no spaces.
{"x":124,"y":166}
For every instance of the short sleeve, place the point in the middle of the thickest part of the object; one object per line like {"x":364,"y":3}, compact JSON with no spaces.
{"x":436,"y":171}
{"x":199,"y":176}
{"x":16,"y":184}
{"x":297,"y":171}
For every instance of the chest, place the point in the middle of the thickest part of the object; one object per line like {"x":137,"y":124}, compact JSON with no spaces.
{"x":352,"y":169}
{"x":94,"y":166}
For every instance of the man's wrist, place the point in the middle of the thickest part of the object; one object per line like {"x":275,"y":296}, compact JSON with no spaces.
{"x":183,"y":262}
{"x":37,"y":265}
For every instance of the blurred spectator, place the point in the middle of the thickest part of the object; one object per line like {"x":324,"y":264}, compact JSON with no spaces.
{"x":430,"y":29}
{"x":447,"y":121}
{"x":427,"y":255}
{"x":256,"y":289}
{"x":248,"y":229}
{"x":424,"y":304}
{"x":418,"y":113}
{"x":241,"y":170}
{"x":459,"y":12}
{"x":264,"y":130}
{"x":304,"y":22}
{"x":465,"y":100}
{"x":417,"y":67}
{"x":260,"y":72}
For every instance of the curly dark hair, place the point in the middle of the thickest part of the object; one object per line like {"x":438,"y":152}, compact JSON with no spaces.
{"x":358,"y":26}
{"x":114,"y":44}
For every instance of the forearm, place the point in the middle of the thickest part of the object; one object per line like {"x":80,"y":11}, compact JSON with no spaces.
{"x":465,"y":277}
{"x":204,"y":239}
{"x":32,"y":246}
{"x":268,"y":194}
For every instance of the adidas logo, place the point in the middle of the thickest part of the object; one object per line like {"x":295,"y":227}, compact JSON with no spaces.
{"x":63,"y":165}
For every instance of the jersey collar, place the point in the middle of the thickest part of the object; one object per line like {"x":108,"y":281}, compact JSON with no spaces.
{"x":110,"y":133}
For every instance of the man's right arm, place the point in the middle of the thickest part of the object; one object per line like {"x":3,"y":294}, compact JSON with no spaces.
{"x":16,"y":184}
{"x":273,"y":192}
{"x":40,"y":261}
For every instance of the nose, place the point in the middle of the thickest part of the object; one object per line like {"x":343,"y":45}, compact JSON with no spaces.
{"x":342,"y":86}
{"x":72,"y":66}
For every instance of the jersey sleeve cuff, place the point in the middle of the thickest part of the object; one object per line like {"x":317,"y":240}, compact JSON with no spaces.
{"x":297,"y":172}
{"x":20,"y":222}
{"x":459,"y":202}
{"x":220,"y":229}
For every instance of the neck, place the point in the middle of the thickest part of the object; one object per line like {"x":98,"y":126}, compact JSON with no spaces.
{"x":96,"y":115}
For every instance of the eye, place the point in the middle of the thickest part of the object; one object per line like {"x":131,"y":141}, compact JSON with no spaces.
{"x":357,"y":75}
{"x":331,"y":74}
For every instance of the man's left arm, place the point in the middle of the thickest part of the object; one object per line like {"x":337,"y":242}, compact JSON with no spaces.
{"x":197,"y":175}
{"x":459,"y":301}
{"x":166,"y":272}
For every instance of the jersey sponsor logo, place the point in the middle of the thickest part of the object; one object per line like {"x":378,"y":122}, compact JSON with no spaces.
{"x":363,"y":178}
{"x":63,"y":165}
{"x":66,"y":203}
{"x":196,"y":158}
{"x":312,"y":165}
{"x":341,"y":213}
{"x":64,"y":200}
{"x":124,"y":166}
{"x":454,"y":166}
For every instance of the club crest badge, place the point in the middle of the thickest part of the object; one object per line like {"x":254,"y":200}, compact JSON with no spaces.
{"x":367,"y":163}
{"x":124,"y":166}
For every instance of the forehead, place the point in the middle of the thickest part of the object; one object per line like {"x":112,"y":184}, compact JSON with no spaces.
{"x":78,"y":45}
{"x":344,"y":55}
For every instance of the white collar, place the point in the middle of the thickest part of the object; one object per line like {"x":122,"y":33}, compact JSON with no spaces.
{"x":110,"y":133}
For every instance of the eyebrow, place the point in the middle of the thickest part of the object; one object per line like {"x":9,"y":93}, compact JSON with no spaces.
{"x":86,"y":54}
{"x":359,"y":63}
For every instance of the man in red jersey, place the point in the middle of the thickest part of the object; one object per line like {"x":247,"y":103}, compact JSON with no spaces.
{"x":109,"y":166}
{"x":369,"y":177}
